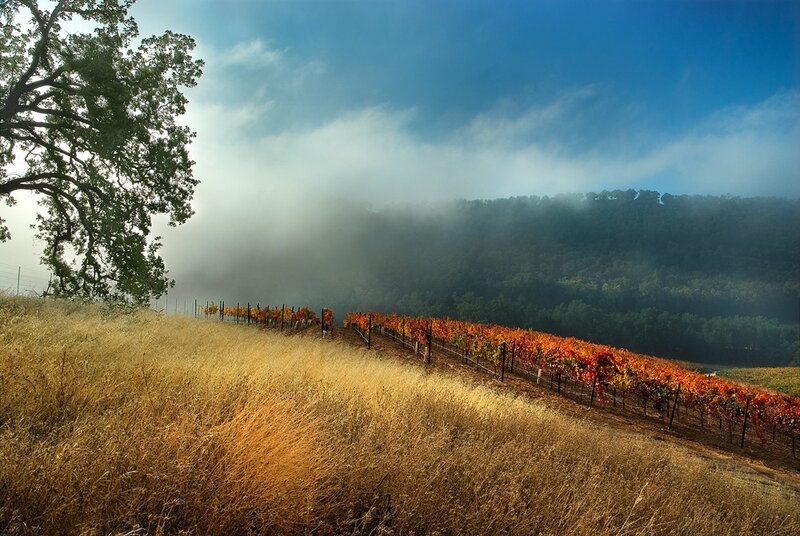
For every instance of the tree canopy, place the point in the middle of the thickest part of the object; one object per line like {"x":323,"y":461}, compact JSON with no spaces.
{"x":88,"y":121}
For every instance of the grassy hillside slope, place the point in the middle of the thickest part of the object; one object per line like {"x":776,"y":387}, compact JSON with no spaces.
{"x":783,"y":379}
{"x":112,"y":422}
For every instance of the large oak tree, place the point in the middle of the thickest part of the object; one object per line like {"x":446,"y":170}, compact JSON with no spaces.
{"x":88,"y":123}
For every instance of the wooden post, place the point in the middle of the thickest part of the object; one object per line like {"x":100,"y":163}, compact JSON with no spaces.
{"x":222,"y":311}
{"x":237,"y":312}
{"x":369,"y":332}
{"x":248,"y":313}
{"x":283,"y":314}
{"x":674,"y":405}
{"x":195,"y":308}
{"x":206,"y":309}
{"x":322,"y":321}
{"x":594,"y":386}
{"x":744,"y":425}
{"x":538,"y":376}
{"x":503,"y":364}
{"x":429,"y":350}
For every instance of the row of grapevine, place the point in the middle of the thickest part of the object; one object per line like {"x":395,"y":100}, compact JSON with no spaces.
{"x":602,"y":367}
{"x":269,"y":316}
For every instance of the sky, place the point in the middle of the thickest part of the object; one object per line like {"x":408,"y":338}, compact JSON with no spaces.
{"x":308,"y":105}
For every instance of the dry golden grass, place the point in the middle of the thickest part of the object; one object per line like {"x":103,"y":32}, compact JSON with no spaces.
{"x":114,"y":424}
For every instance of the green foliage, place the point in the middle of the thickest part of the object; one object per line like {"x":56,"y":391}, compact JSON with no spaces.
{"x":783,"y":379}
{"x":91,"y":120}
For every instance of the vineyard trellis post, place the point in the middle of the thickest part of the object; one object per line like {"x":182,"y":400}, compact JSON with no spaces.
{"x":674,"y":405}
{"x":594,"y":386}
{"x":744,"y":425}
{"x":429,"y":349}
{"x":369,"y":332}
{"x":503,"y":362}
{"x":322,"y":322}
{"x":283,"y":314}
{"x":513,"y":354}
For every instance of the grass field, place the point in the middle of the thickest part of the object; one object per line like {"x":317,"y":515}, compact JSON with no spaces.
{"x":115,"y":424}
{"x":783,"y":379}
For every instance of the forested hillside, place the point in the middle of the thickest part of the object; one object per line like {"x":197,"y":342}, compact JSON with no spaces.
{"x":707,"y":279}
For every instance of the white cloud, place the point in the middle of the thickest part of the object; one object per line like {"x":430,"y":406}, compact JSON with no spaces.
{"x":373,"y":154}
{"x":274,"y":186}
{"x":253,"y":53}
{"x":506,"y":124}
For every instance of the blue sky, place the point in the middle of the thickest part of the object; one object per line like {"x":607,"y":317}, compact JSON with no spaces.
{"x":305,"y":104}
{"x":490,"y":99}
{"x":677,"y":61}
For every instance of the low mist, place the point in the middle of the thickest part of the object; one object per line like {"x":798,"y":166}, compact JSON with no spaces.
{"x":707,"y":279}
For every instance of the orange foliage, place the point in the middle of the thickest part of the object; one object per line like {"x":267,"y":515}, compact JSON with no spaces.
{"x":654,"y":379}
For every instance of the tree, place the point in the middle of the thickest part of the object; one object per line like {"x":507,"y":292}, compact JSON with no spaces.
{"x":88,"y":123}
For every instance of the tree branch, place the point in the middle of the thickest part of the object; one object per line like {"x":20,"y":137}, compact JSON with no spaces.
{"x":11,"y":106}
{"x":31,"y":182}
{"x":56,"y":113}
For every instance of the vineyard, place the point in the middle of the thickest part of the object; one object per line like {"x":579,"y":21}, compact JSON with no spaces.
{"x":302,"y":317}
{"x":603,"y":370}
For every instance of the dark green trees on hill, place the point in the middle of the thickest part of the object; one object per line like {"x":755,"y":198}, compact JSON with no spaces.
{"x":707,"y":279}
